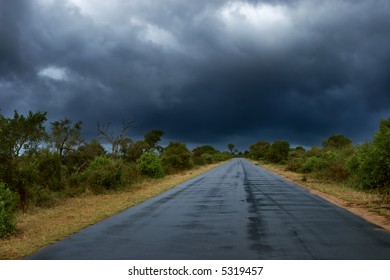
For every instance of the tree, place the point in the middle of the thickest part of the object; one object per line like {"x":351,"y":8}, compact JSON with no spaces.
{"x":259,"y":149}
{"x":136,"y":150}
{"x":231,"y":148}
{"x":371,"y":163}
{"x":278,"y":152}
{"x":20,"y":136}
{"x":85,"y":153}
{"x":119,"y":143}
{"x":176,"y":157}
{"x":152,"y":138}
{"x":204,"y":154}
{"x":65,"y":137}
{"x":336,"y":141}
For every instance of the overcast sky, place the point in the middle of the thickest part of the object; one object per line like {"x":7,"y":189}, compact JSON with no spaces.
{"x":205,"y":72}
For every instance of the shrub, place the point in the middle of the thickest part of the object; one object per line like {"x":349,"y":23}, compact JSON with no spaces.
{"x":259,"y":150}
{"x":176,"y":157}
{"x":312,"y":164}
{"x":295,"y":164}
{"x":150,"y":165}
{"x":278,"y":152}
{"x":49,"y":168}
{"x":207,"y":158}
{"x":371,"y":163}
{"x":336,"y":142}
{"x":103,"y":174}
{"x":8,"y":206}
{"x":204,"y":155}
{"x":369,"y":167}
{"x":130,"y":174}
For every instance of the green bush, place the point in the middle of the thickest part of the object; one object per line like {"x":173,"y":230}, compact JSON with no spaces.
{"x":259,"y":150}
{"x":103,"y":174}
{"x":176,"y":157}
{"x":150,"y":165}
{"x":312,"y":164}
{"x":295,"y":164}
{"x":130,"y":174}
{"x":369,"y":167}
{"x":371,"y":164}
{"x":278,"y":152}
{"x":49,"y":168}
{"x":207,"y":158}
{"x":8,"y":206}
{"x":336,"y":163}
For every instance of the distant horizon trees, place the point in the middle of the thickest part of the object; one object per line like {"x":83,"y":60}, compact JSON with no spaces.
{"x":364,"y":166}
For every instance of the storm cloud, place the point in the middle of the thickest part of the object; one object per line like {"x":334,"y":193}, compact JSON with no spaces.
{"x":206,"y":72}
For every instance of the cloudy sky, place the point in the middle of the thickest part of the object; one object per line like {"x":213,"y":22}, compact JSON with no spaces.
{"x":205,"y":72}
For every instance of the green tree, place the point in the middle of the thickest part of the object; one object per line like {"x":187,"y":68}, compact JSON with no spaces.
{"x":136,"y":150}
{"x":337,"y":142}
{"x":231,"y":148}
{"x":259,"y":149}
{"x":204,"y":154}
{"x":65,"y":137}
{"x":371,"y":163}
{"x":20,"y":136}
{"x":152,"y":138}
{"x":21,"y":133}
{"x":278,"y":152}
{"x":176,"y":157}
{"x":85,"y":153}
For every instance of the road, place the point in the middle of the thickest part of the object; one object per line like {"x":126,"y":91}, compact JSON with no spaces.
{"x":236,"y":211}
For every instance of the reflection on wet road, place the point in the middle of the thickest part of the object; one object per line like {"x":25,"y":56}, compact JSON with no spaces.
{"x":236,"y":211}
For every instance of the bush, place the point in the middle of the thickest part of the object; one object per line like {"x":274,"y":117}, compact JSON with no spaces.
{"x":103,"y":174}
{"x":176,"y":157}
{"x":49,"y":168}
{"x":130,"y":174}
{"x":312,"y":164}
{"x":278,"y":152}
{"x":371,"y":163}
{"x":207,"y":158}
{"x":295,"y":164}
{"x":150,"y":165}
{"x":369,"y":168}
{"x":8,"y":206}
{"x":259,"y":150}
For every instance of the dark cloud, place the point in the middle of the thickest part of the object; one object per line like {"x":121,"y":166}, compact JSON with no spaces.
{"x":203,"y":71}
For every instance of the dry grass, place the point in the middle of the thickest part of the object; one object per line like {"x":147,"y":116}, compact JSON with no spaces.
{"x":370,"y":206}
{"x":40,"y":227}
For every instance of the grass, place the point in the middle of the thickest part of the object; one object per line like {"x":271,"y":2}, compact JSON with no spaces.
{"x":372,"y":206}
{"x":40,"y":227}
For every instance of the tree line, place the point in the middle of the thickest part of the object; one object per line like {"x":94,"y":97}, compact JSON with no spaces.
{"x":365,"y":166}
{"x":40,"y":166}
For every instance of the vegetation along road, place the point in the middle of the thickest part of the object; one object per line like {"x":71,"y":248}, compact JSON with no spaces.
{"x":235,"y":211}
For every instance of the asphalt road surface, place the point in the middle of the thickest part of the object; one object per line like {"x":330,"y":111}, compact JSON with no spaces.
{"x":236,"y":211}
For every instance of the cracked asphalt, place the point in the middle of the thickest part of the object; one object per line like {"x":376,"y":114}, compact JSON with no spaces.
{"x":235,"y":211}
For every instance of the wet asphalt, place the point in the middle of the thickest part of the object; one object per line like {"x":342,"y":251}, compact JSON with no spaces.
{"x":236,"y":211}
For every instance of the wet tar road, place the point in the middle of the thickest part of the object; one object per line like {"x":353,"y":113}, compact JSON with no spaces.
{"x":236,"y":211}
